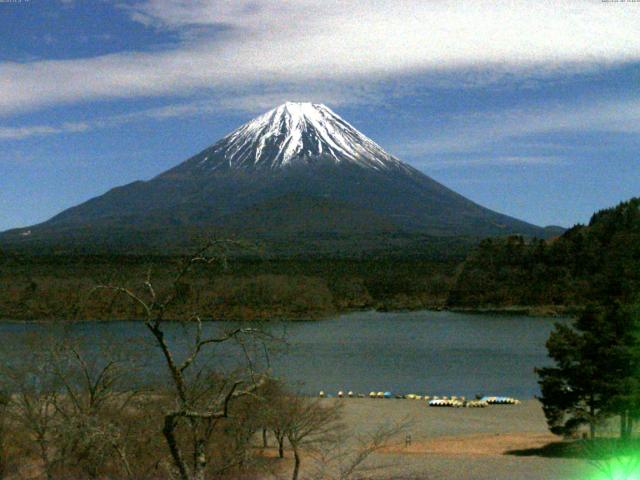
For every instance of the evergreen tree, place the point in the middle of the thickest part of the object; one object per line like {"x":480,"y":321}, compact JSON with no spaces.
{"x":624,"y":366}
{"x":597,"y":363}
{"x":572,"y":393}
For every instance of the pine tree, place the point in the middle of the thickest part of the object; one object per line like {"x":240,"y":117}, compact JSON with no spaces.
{"x":596,"y":372}
{"x":624,"y":366}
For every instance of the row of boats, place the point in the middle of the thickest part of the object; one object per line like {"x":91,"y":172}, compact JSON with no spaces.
{"x":433,"y":401}
{"x":477,"y":403}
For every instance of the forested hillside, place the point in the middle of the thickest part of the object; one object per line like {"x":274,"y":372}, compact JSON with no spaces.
{"x":593,"y":263}
{"x":59,"y":287}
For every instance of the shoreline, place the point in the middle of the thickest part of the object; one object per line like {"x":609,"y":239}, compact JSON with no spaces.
{"x":493,"y":443}
{"x":524,"y":311}
{"x":545,"y":311}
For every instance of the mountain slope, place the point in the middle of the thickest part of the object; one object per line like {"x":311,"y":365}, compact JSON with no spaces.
{"x":296,"y":133}
{"x":286,"y":160}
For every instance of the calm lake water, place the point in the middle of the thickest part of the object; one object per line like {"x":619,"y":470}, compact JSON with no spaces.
{"x":435,"y":353}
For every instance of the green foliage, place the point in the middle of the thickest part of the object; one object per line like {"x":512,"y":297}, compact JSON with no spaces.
{"x":597,"y":263}
{"x":57,"y":287}
{"x":596,"y":372}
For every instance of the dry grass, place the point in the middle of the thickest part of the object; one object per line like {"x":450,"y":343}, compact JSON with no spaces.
{"x":478,"y":444}
{"x":463,"y":444}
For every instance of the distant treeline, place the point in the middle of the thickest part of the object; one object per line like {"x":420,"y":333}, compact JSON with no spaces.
{"x":588,"y":264}
{"x":594,"y":263}
{"x":57,"y":287}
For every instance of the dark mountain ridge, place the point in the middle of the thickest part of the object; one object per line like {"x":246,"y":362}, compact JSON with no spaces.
{"x":269,"y":178}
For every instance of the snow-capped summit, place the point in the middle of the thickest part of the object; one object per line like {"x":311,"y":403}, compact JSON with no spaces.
{"x":298,"y":173}
{"x":295,"y":133}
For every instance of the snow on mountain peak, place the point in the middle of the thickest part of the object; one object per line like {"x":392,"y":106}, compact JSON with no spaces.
{"x":295,"y":133}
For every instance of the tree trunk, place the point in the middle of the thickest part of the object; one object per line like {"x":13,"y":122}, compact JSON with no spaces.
{"x":281,"y":447}
{"x":264,"y":438}
{"x":199,"y":460}
{"x":296,"y":464}
{"x":3,"y":455}
{"x":124,"y":460}
{"x":592,"y":420}
{"x":3,"y":462}
{"x":176,"y":454}
{"x":44,"y":455}
{"x":623,"y":425}
{"x":626,"y":425}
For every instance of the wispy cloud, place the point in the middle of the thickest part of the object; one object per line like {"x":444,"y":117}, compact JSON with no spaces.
{"x":463,"y":134}
{"x":260,"y":42}
{"x":474,"y":131}
{"x":244,"y":102}
{"x":20,"y":133}
{"x":501,"y":161}
{"x":158,"y":113}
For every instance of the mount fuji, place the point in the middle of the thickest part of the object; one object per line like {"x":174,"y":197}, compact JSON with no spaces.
{"x":298,"y":171}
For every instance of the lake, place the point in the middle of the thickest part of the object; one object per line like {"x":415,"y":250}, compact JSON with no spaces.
{"x":425,"y":352}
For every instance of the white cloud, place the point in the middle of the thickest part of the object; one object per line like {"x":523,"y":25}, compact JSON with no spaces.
{"x":20,"y":133}
{"x":456,"y":142}
{"x":265,"y":43}
{"x":240,"y":102}
{"x":158,"y":113}
{"x":472,"y":132}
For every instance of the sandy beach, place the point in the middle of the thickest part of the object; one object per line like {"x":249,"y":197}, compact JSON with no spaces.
{"x":463,"y":443}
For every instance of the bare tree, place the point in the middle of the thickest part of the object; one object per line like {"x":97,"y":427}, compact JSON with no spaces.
{"x":94,"y":396}
{"x":4,"y":404}
{"x":274,"y":415}
{"x":33,"y":394}
{"x":348,"y":456}
{"x":313,"y":426}
{"x":198,"y":402}
{"x":69,"y":407}
{"x":309,"y":424}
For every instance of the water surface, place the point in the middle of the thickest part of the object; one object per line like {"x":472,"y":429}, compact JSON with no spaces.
{"x":437,"y":353}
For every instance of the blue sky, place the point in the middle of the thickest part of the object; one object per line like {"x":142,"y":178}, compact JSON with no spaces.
{"x":529,"y":108}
